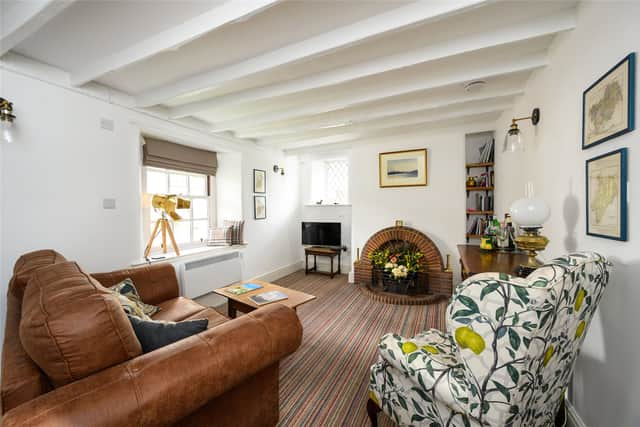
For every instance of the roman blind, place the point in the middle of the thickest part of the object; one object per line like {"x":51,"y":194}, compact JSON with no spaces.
{"x":169,"y":155}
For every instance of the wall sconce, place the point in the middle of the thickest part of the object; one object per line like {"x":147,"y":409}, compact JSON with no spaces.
{"x":6,"y":120}
{"x":513,"y":140}
{"x":277,"y":169}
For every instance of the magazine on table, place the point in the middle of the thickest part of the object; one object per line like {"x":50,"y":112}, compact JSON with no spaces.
{"x":267,"y":297}
{"x":243,"y":289}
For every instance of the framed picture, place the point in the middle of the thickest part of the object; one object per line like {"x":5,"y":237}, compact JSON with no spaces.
{"x":403,"y":168}
{"x":607,"y":195}
{"x":259,"y":207}
{"x":259,"y":181}
{"x":608,"y":105}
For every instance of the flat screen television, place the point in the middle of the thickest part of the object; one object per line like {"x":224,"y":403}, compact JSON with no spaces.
{"x":321,"y":234}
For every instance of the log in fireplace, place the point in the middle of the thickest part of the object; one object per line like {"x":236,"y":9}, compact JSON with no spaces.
{"x":432,"y":284}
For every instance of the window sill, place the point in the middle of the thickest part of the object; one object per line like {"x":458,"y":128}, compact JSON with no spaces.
{"x":189,"y":254}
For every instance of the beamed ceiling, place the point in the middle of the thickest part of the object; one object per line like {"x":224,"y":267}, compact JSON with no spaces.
{"x":297,"y":74}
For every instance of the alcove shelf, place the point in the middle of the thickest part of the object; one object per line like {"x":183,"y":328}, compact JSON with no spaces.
{"x":479,"y":164}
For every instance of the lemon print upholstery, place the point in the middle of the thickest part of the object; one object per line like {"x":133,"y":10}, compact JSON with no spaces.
{"x":507,"y":355}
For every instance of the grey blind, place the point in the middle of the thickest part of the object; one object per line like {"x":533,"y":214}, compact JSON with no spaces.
{"x":169,"y":155}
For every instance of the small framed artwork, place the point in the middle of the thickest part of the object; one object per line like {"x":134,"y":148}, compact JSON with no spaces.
{"x":608,"y":105}
{"x":403,"y":168}
{"x":259,"y":207}
{"x":259,"y":181}
{"x":607,"y":195}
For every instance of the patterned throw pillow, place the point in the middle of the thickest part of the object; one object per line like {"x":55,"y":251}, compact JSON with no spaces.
{"x":237,"y":230}
{"x":221,"y":236}
{"x":131,"y":302}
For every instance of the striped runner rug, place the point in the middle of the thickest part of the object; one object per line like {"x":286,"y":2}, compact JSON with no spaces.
{"x":324,"y":383}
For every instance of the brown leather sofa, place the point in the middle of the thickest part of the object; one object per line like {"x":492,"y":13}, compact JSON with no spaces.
{"x":225,"y":376}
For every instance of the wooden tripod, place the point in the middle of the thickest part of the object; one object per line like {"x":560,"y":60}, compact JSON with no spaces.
{"x":165,"y":228}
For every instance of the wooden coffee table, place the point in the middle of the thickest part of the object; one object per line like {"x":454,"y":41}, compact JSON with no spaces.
{"x":244,"y":304}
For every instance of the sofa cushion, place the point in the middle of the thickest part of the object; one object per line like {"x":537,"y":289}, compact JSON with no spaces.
{"x":27,"y":264}
{"x":154,"y":334}
{"x":131,"y":302}
{"x":177,"y":309}
{"x":211,"y":315}
{"x":72,"y":326}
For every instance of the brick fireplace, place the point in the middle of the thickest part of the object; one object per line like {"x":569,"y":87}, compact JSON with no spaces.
{"x":433,"y":277}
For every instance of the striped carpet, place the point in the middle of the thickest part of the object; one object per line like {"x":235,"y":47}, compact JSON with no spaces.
{"x":325,"y":382}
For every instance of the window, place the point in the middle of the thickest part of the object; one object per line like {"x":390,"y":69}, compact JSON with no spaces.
{"x":193,"y":229}
{"x":330,"y":181}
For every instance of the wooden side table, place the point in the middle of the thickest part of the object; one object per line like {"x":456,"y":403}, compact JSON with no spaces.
{"x":316,"y":252}
{"x":474,"y":260}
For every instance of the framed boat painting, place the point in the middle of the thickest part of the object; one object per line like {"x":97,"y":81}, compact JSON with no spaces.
{"x":608,"y":105}
{"x":403,"y":168}
{"x":607,"y":195}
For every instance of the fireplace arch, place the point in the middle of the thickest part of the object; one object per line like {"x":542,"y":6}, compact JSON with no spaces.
{"x":438,"y":281}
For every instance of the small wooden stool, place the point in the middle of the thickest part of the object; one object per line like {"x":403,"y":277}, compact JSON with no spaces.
{"x":319,"y":251}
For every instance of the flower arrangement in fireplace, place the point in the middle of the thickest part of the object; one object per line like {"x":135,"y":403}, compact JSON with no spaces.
{"x":399,"y":261}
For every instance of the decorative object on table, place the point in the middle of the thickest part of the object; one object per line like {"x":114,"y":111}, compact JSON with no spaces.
{"x":513,"y":140}
{"x":399,"y":223}
{"x":220,"y":236}
{"x":259,"y":207}
{"x":237,"y":231}
{"x":608,"y":105}
{"x":486,"y":242}
{"x":243,"y":289}
{"x":607,"y":195}
{"x":166,"y":205}
{"x":259,"y":181}
{"x":529,"y":213}
{"x":278,"y":169}
{"x":403,"y":168}
{"x":399,"y":264}
{"x":6,"y":120}
{"x":490,"y":350}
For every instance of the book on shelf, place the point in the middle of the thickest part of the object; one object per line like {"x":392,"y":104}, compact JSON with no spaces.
{"x":244,"y":288}
{"x":486,"y":152}
{"x":268,"y":297}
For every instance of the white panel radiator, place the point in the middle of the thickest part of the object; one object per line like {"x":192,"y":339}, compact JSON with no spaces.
{"x":202,"y":276}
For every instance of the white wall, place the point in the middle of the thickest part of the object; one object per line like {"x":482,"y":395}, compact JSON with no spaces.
{"x":607,"y":378}
{"x":438,"y":210}
{"x":62,"y":164}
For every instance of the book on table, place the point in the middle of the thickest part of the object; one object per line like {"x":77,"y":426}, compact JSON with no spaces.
{"x":244,"y":288}
{"x":267,"y":297}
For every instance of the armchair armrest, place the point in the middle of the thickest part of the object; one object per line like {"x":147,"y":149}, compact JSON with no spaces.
{"x":155,"y":283}
{"x":164,"y":386}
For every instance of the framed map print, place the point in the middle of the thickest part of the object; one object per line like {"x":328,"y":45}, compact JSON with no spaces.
{"x":608,"y":106}
{"x":403,"y":168}
{"x":607,"y":195}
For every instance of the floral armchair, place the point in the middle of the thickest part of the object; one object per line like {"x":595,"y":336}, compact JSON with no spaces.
{"x":508,"y":354}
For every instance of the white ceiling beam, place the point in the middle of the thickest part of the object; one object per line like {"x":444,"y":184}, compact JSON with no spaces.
{"x":375,"y":113}
{"x":517,"y":32}
{"x":26,"y":18}
{"x":358,"y":136}
{"x":171,"y":38}
{"x":528,"y":63}
{"x":370,"y":127}
{"x":348,"y":35}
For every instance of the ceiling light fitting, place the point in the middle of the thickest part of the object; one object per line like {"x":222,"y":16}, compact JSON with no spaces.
{"x":474,"y":86}
{"x":278,"y":169}
{"x":513,"y":140}
{"x":6,"y":120}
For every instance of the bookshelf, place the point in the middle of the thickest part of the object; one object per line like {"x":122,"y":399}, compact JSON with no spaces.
{"x":479,"y":183}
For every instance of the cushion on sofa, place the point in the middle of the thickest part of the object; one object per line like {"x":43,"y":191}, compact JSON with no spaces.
{"x":72,"y":326}
{"x":27,"y":264}
{"x":156,"y":334}
{"x":131,"y":302}
{"x":177,"y":309}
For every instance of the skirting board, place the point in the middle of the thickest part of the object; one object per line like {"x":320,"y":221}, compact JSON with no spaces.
{"x":573,"y":418}
{"x":280,"y":272}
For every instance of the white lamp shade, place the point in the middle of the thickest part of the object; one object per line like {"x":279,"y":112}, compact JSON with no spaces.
{"x":529,"y":212}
